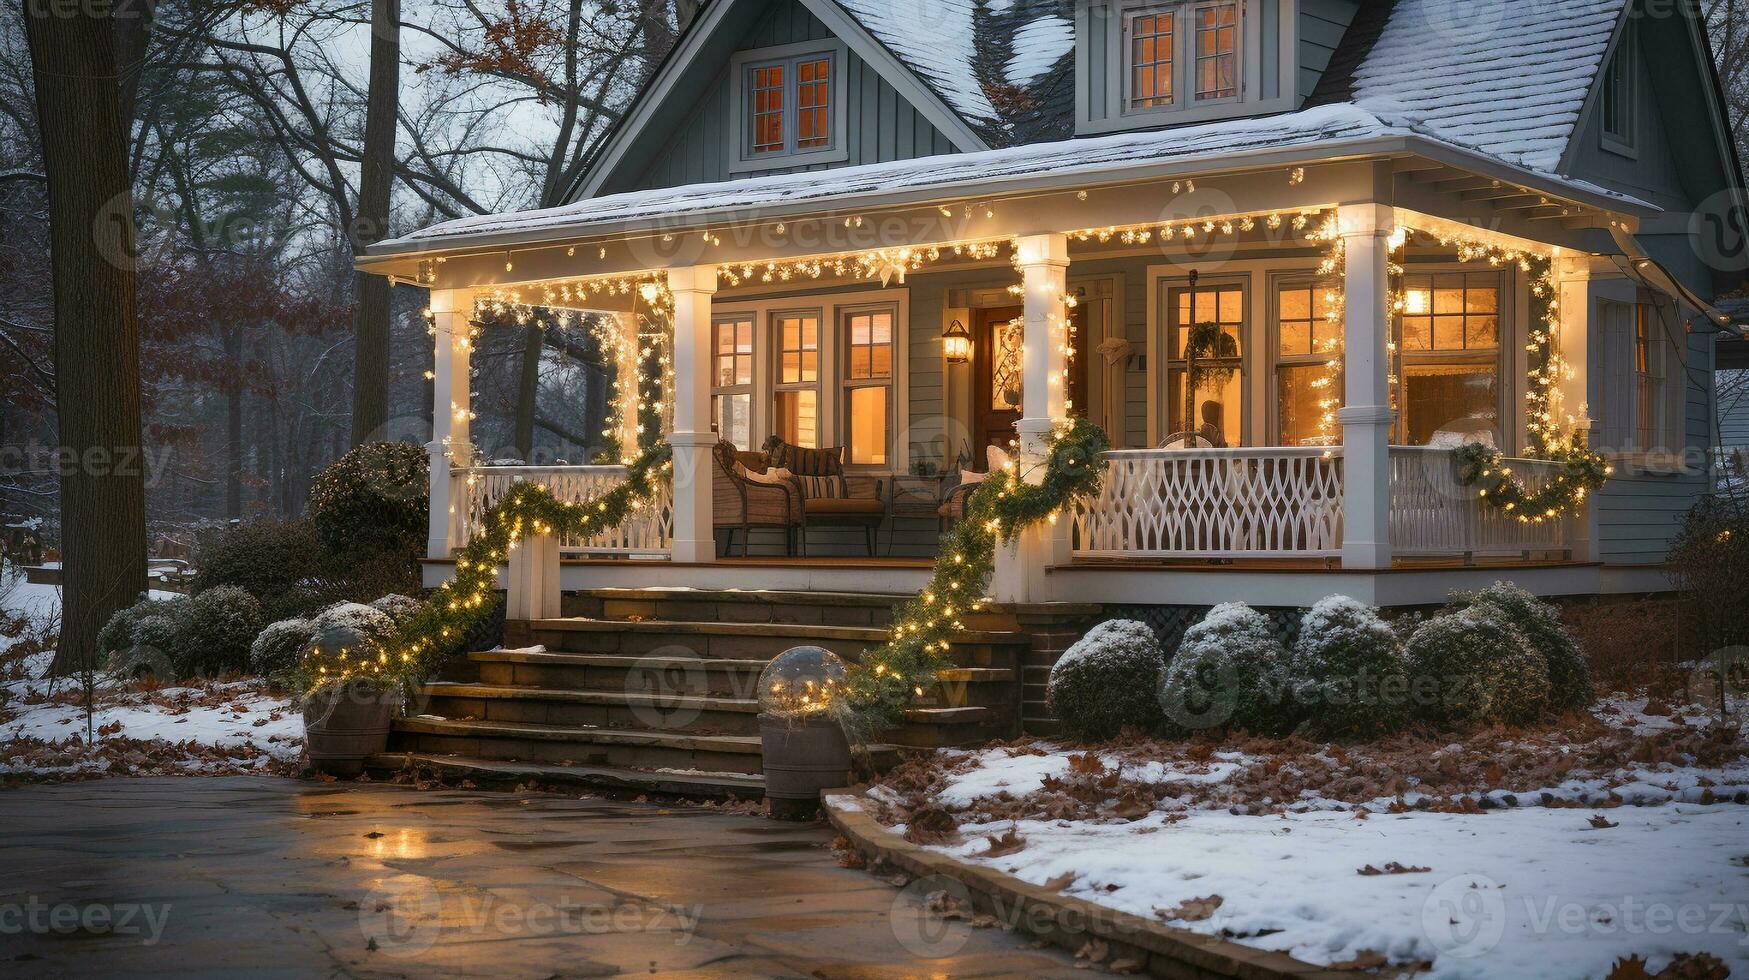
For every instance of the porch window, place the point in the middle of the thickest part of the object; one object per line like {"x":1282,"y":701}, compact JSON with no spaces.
{"x":796,"y":400}
{"x":1450,"y":351}
{"x":868,"y":385}
{"x":1181,"y":47}
{"x":1304,"y":345}
{"x":732,"y":381}
{"x":1212,"y":332}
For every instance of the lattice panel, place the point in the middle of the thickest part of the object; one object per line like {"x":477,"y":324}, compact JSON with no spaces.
{"x":649,"y":531}
{"x":1433,"y":514}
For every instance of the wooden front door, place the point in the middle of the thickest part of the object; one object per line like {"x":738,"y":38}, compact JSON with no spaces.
{"x":997,"y":343}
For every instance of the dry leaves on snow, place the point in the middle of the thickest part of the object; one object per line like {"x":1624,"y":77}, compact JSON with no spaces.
{"x":1392,"y":868}
{"x":1191,"y":909}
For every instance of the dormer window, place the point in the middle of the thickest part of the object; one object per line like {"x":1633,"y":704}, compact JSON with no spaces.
{"x":786,"y":106}
{"x":1174,"y":50}
{"x":1619,"y":95}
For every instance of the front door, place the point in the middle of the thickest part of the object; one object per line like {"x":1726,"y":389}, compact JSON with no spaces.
{"x":998,"y":340}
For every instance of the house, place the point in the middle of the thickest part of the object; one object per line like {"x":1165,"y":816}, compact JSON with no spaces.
{"x":1288,"y":254}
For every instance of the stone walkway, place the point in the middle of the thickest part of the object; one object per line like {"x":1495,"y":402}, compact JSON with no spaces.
{"x":219,"y":876}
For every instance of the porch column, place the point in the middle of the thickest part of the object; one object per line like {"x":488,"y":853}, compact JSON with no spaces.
{"x":692,"y":437}
{"x":1572,"y":275}
{"x":1044,"y":263}
{"x":626,"y":384}
{"x":450,"y":412}
{"x":1366,"y":404}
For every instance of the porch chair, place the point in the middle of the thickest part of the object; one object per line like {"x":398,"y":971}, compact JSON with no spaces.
{"x":953,"y":500}
{"x":742,"y":497}
{"x":829,"y":497}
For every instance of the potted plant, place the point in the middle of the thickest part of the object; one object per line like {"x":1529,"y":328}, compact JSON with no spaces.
{"x":805,"y":749}
{"x":351,"y":695}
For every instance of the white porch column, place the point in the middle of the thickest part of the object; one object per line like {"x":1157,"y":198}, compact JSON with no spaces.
{"x":692,"y":437}
{"x":532,"y":579}
{"x":1366,"y":411}
{"x":1044,"y":263}
{"x":450,"y":409}
{"x":1572,"y":275}
{"x":626,"y":374}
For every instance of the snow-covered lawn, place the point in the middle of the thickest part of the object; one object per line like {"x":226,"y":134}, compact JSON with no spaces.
{"x":1538,"y":854}
{"x":211,"y":728}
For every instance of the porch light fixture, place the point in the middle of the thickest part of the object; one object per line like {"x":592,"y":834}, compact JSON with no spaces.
{"x":956,"y":343}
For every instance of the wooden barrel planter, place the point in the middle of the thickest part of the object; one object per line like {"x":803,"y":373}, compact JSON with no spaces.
{"x":345,"y":724}
{"x":802,"y":757}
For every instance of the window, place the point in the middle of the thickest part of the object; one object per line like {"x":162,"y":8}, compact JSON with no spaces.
{"x":1635,"y":392}
{"x":1449,"y":346}
{"x":1211,"y":327}
{"x":1619,"y":93}
{"x":785,"y":106}
{"x":1306,"y":340}
{"x":732,"y":380}
{"x":1648,"y":382}
{"x":868,"y":385}
{"x":796,"y":398}
{"x":1181,"y":47}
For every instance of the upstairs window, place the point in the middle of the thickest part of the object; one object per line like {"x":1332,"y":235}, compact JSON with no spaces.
{"x":1620,"y":94}
{"x":1181,"y":54}
{"x":788,"y":107}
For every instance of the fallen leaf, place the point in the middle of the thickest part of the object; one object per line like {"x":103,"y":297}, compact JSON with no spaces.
{"x":1598,"y":821}
{"x":1061,"y":881}
{"x":1191,"y":909}
{"x":1630,"y":967}
{"x":1008,"y":843}
{"x":1392,"y":868}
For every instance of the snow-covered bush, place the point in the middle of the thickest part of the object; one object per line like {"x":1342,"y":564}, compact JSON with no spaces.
{"x":398,"y":606}
{"x":1348,"y":672}
{"x":1106,"y":680}
{"x":1569,"y":671}
{"x":375,"y":625}
{"x":222,"y":623}
{"x":121,"y":631}
{"x":1472,"y":666}
{"x":1229,"y":671}
{"x":275,"y":650}
{"x":147,"y":637}
{"x":373,"y":499}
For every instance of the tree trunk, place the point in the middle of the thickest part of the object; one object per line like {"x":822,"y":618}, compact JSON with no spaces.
{"x":97,"y":340}
{"x":527,"y":387}
{"x":231,"y":337}
{"x":370,"y":380}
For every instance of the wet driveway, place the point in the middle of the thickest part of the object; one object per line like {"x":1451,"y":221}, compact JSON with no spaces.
{"x":269,"y":877}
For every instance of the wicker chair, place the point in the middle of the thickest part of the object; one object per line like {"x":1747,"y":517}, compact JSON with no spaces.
{"x":829,"y":497}
{"x":738,"y":502}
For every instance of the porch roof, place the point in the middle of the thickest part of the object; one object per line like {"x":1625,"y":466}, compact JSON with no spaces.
{"x":1317,"y":135}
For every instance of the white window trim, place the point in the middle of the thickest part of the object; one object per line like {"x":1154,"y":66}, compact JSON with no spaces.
{"x":763,"y":308}
{"x":1272,"y":356}
{"x":846,"y":383}
{"x":719,"y":390}
{"x":1159,"y":331}
{"x":742,"y":159}
{"x":1626,"y":52}
{"x":1512,"y":420}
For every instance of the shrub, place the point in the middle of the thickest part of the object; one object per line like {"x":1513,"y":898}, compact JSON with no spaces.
{"x":222,"y":623}
{"x":276,"y":648}
{"x":1472,"y":666}
{"x":1540,"y":624}
{"x":119,"y":633}
{"x":147,"y":637}
{"x":1228,"y":671}
{"x":1107,"y":680}
{"x":373,"y":499}
{"x":273,"y":561}
{"x":1348,"y":669}
{"x":374,"y":624}
{"x":398,"y":606}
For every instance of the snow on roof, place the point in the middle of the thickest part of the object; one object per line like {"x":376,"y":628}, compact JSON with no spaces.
{"x":1508,"y":79}
{"x":1038,"y":46}
{"x":1308,"y":128}
{"x":934,"y":38}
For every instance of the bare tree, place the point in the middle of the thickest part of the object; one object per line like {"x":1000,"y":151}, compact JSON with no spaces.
{"x":370,"y":383}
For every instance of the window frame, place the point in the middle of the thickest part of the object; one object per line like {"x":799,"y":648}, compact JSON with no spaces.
{"x":1184,"y":34}
{"x":779,"y":386}
{"x":1511,"y":421}
{"x":1279,"y":283}
{"x":847,"y":384}
{"x":720,"y":391}
{"x":742,"y":64}
{"x":1171,"y":361}
{"x":1619,"y":86}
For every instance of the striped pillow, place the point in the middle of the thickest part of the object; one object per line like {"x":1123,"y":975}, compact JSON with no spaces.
{"x":823,"y":486}
{"x":805,"y":462}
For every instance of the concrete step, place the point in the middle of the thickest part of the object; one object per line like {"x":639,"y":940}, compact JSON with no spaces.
{"x":577,"y":745}
{"x":622,"y":709}
{"x":732,"y":606}
{"x":672,"y":638}
{"x":487,"y":772}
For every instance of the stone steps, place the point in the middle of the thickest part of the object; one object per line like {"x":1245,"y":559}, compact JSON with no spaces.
{"x":510,"y":773}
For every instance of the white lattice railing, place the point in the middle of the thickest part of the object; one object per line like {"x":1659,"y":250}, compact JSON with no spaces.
{"x":649,"y":531}
{"x":1433,"y":514}
{"x":1215,"y":503}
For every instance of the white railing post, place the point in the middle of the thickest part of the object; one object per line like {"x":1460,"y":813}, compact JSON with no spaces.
{"x":1572,"y":274}
{"x":692,"y":439}
{"x":1366,"y":411}
{"x":451,"y":410}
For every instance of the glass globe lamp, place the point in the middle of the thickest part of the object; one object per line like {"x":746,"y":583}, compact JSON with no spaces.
{"x":801,"y":681}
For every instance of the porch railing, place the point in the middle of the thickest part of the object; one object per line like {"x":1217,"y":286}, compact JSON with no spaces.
{"x":1433,"y":514}
{"x":648,"y":531}
{"x":1214,"y":503}
{"x":1287,"y":502}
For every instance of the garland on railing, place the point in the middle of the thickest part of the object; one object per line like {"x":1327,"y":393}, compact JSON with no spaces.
{"x":892,"y":675}
{"x":1580,"y":472}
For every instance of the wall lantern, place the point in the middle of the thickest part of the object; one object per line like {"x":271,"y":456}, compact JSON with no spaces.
{"x":956,"y":343}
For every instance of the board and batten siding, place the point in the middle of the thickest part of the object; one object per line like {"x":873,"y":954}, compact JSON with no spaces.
{"x":883,"y":125}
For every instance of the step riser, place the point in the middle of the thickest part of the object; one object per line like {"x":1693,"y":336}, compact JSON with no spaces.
{"x":751,"y":610}
{"x":705,"y":646}
{"x":578,"y":753}
{"x":704,"y":680}
{"x":532,"y":711}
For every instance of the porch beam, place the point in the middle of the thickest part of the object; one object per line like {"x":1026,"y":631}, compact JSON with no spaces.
{"x":1366,"y":411}
{"x":692,"y":438}
{"x":451,"y":408}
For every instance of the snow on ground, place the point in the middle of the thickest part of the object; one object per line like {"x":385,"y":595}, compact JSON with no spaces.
{"x":1528,"y":893}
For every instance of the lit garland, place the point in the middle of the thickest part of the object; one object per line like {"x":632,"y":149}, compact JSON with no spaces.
{"x":1581,"y":471}
{"x":1328,"y":386}
{"x":1190,"y":229}
{"x":885,"y":264}
{"x":891,"y":676}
